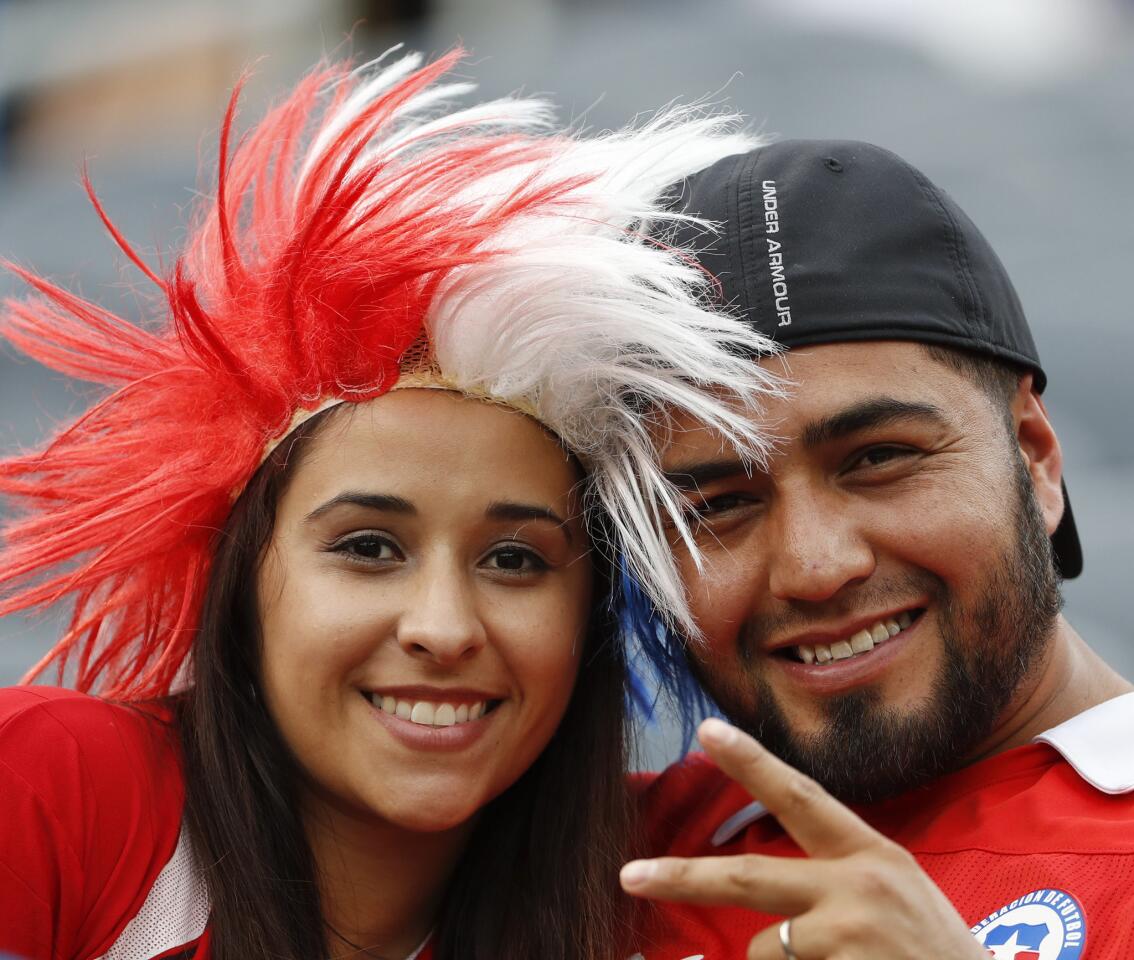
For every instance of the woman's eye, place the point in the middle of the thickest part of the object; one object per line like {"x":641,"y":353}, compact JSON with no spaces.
{"x":368,"y":547}
{"x":515,"y":560}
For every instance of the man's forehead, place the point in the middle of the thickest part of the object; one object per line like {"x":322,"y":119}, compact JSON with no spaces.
{"x":852,"y":359}
{"x":824,"y":377}
{"x":826,"y":380}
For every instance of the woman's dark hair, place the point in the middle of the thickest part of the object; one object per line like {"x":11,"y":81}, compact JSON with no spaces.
{"x":539,"y":875}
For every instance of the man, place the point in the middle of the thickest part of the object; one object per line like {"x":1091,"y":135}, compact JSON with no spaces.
{"x":945,"y":769}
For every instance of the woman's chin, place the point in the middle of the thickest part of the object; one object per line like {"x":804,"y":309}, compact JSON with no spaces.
{"x":432,"y":818}
{"x":430,"y":806}
{"x":400,"y":804}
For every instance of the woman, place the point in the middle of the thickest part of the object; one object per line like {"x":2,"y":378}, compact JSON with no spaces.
{"x":340,"y":542}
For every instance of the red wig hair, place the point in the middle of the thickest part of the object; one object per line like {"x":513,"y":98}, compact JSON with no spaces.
{"x":293,"y":290}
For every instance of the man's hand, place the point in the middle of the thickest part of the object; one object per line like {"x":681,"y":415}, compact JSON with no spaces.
{"x":857,"y":895}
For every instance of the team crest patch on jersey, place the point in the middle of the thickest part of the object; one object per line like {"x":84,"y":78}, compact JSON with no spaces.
{"x":1041,"y":925}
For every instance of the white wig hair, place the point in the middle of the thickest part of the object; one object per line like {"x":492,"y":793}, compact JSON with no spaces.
{"x":590,"y":324}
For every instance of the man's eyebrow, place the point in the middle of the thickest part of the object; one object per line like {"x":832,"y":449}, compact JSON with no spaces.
{"x":371,"y":501}
{"x":691,"y":476}
{"x":877,"y":412}
{"x":510,"y":510}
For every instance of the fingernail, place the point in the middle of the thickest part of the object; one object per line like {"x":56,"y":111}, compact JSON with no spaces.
{"x":637,"y":872}
{"x":714,"y":731}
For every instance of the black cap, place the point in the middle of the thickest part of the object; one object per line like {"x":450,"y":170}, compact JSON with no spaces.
{"x":828,"y":240}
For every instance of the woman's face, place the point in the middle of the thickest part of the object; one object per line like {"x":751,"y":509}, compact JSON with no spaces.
{"x":423,"y":602}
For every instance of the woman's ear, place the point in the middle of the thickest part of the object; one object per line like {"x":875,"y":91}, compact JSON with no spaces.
{"x":1039,"y":446}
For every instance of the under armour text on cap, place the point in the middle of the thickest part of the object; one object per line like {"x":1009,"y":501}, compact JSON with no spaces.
{"x":829,"y":240}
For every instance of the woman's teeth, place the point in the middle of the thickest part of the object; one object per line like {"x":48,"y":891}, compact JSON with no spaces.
{"x":862,"y":642}
{"x":429,"y":714}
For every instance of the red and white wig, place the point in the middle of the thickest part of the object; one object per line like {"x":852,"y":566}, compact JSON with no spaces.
{"x":366,"y":231}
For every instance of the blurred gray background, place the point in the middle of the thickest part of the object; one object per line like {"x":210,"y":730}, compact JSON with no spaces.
{"x":1021,"y":109}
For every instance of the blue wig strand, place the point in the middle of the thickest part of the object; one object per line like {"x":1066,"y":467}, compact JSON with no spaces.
{"x":657,"y":664}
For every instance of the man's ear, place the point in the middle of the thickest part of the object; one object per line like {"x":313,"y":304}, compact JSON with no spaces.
{"x":1039,"y":446}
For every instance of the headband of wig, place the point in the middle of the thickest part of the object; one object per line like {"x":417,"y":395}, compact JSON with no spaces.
{"x":364,"y":231}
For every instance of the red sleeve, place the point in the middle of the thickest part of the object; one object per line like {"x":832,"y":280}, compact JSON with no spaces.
{"x":90,"y":810}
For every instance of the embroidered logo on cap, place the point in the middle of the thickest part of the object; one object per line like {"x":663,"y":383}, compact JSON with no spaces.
{"x":1041,"y":925}
{"x":775,"y":252}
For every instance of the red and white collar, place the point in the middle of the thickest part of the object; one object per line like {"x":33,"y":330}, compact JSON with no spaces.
{"x":1096,"y":743}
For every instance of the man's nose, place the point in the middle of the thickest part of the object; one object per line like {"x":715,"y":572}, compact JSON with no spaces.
{"x":441,"y":621}
{"x":816,"y":548}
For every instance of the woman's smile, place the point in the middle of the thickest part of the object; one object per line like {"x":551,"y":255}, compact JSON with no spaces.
{"x":433,"y":708}
{"x":431,"y":725}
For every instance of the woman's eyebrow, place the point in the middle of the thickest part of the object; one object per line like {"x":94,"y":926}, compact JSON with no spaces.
{"x":510,"y":510}
{"x":372,"y":501}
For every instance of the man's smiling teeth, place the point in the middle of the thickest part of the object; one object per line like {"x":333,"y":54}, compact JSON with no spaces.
{"x":862,"y":642}
{"x":429,"y":714}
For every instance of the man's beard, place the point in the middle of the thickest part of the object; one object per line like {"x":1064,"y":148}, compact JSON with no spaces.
{"x":867,"y":751}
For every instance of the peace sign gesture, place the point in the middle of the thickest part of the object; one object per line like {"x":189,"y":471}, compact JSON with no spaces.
{"x":856,"y":896}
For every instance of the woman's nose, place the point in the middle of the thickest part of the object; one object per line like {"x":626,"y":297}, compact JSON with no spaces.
{"x":441,"y":621}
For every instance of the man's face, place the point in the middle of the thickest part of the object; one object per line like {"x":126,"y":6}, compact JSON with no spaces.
{"x":874,"y":601}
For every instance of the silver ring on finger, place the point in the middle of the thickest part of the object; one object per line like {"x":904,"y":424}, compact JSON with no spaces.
{"x":785,"y":940}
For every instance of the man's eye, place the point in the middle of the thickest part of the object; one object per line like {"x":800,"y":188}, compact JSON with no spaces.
{"x":515,"y":560}
{"x":881,"y":455}
{"x":723,"y":503}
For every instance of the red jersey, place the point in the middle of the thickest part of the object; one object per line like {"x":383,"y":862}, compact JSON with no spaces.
{"x":1034,"y":846}
{"x":94,"y":861}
